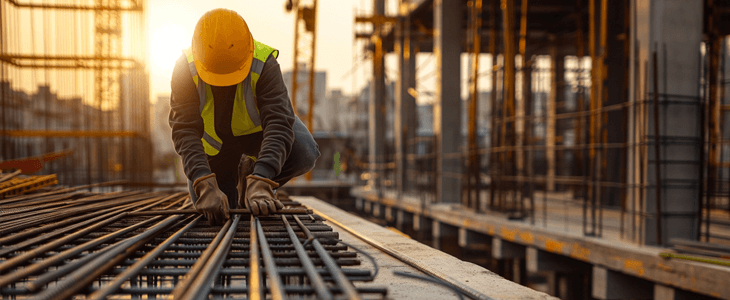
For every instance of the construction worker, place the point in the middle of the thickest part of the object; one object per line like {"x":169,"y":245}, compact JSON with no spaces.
{"x":232,"y":120}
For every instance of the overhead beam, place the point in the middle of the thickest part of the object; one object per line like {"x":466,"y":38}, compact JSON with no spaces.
{"x":69,"y":133}
{"x":136,"y":6}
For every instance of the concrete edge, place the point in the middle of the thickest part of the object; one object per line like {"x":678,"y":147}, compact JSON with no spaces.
{"x":641,"y":262}
{"x":468,"y":274}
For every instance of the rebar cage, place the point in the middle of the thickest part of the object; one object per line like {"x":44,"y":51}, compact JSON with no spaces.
{"x":64,"y":243}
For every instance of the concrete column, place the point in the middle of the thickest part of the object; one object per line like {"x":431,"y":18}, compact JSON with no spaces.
{"x":405,"y":108}
{"x":672,"y":28}
{"x":377,"y":108}
{"x":447,"y":44}
{"x":502,"y":249}
{"x":445,"y":237}
{"x":663,"y":292}
{"x":609,"y":284}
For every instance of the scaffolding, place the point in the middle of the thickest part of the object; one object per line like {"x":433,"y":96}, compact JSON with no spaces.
{"x":73,"y":80}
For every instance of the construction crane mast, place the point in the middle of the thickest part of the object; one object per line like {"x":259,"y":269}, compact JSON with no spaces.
{"x":305,"y":46}
{"x":305,"y":39}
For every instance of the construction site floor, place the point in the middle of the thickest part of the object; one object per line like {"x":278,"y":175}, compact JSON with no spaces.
{"x":471,"y":275}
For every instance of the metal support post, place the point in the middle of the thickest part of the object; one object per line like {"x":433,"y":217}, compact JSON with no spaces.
{"x":508,"y":108}
{"x":474,"y":177}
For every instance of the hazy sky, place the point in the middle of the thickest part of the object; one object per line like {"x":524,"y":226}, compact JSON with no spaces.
{"x":171,"y":25}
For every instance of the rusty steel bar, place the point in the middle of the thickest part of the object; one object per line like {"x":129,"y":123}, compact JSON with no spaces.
{"x":170,"y":253}
{"x":335,"y":271}
{"x":238,"y":211}
{"x":275,"y":285}
{"x":139,"y":265}
{"x":255,"y":279}
{"x":317,"y":282}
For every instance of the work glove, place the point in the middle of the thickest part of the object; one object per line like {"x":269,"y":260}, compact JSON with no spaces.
{"x":260,"y":197}
{"x":212,"y":202}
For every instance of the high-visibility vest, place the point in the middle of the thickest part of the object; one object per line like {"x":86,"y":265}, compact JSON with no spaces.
{"x":246,"y":119}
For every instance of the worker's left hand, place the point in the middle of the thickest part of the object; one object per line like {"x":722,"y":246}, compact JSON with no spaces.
{"x":260,"y":197}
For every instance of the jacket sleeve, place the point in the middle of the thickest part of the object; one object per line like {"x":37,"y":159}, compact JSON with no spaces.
{"x":186,"y":123}
{"x":277,"y":120}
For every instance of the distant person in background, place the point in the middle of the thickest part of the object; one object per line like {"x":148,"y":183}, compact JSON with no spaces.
{"x":232,"y":120}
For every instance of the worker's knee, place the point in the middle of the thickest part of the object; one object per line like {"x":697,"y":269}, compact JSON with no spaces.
{"x":305,"y":148}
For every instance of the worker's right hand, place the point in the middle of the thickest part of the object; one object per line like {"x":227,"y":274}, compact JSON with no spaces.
{"x":212,"y":202}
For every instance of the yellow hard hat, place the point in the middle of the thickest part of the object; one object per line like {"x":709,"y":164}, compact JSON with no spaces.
{"x":222,"y":47}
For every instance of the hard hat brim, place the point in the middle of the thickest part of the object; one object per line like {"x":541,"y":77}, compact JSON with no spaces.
{"x":228,"y":79}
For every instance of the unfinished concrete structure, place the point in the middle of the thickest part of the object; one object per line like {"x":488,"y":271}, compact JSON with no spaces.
{"x":607,"y":122}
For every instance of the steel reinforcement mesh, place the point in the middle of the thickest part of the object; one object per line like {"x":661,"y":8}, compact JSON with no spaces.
{"x":68,"y":243}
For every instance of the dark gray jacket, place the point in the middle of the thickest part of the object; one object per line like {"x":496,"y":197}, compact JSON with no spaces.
{"x":271,"y":146}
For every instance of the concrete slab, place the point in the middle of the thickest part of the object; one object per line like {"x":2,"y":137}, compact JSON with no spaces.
{"x":609,"y":252}
{"x":470,"y":275}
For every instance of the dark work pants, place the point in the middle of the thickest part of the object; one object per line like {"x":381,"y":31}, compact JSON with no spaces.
{"x":303,"y":155}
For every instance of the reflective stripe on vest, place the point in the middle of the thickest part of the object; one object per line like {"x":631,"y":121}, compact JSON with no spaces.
{"x":245,"y":117}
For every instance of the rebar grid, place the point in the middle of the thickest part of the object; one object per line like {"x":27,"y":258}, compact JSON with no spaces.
{"x":129,"y":245}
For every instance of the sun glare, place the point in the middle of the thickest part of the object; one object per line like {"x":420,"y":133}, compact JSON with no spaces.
{"x":166,"y":45}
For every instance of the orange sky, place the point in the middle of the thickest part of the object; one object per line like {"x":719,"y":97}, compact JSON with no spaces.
{"x":171,"y":24}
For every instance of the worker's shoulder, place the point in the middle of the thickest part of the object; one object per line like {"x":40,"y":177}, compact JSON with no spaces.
{"x":181,"y":81}
{"x":181,"y":68}
{"x":264,"y":52}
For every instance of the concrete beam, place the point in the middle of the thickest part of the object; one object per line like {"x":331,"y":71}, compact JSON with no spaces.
{"x":638,"y":261}
{"x":609,"y":284}
{"x":448,"y":38}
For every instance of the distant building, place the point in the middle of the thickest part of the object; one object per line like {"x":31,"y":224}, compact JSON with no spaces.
{"x":168,"y":165}
{"x":302,"y":99}
{"x":161,"y":131}
{"x":91,"y":159}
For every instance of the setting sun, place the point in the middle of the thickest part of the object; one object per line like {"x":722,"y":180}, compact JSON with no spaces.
{"x":166,"y":44}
